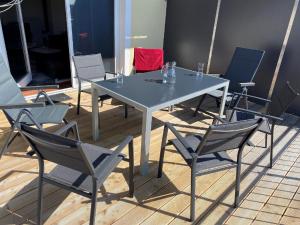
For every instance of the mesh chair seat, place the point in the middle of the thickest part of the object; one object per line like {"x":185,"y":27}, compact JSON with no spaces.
{"x":193,"y":140}
{"x":48,"y":114}
{"x":240,"y":116}
{"x":78,"y":180}
{"x":205,"y":163}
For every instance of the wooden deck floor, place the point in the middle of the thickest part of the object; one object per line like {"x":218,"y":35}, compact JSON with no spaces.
{"x":269,"y":196}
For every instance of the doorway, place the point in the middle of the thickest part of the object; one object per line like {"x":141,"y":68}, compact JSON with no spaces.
{"x":46,"y":42}
{"x":91,"y":30}
{"x":15,"y":45}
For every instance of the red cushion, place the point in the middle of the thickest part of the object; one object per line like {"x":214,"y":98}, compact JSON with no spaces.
{"x":148,"y":59}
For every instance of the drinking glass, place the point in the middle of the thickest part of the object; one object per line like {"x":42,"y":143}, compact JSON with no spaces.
{"x":119,"y":78}
{"x":173,"y":71}
{"x":200,"y":70}
{"x":173,"y":64}
{"x":164,"y":72}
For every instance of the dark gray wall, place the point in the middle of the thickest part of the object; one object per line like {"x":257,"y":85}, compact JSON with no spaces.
{"x":290,"y":67}
{"x":188,"y":32}
{"x":258,"y":24}
{"x":253,"y":24}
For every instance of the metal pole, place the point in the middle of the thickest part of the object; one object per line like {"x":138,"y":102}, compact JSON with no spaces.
{"x":213,"y":37}
{"x":23,"y":36}
{"x":284,"y":44}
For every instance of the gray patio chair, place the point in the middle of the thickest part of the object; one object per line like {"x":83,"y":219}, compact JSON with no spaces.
{"x":12,"y":102}
{"x":241,"y":72}
{"x":206,"y":154}
{"x":90,"y":68}
{"x":81,"y":168}
{"x":275,"y":108}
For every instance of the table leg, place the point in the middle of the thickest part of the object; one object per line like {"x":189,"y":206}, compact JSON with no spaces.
{"x":146,"y":135}
{"x":223,"y":102}
{"x":95,"y":113}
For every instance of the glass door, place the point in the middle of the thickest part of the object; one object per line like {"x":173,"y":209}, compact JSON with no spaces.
{"x":16,"y":45}
{"x":91,"y":29}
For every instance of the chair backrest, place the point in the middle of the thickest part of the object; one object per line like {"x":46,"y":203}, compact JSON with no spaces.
{"x":10,"y":92}
{"x":89,"y":66}
{"x":227,"y":136}
{"x":146,"y":60}
{"x":243,"y":67}
{"x":282,"y":99}
{"x":54,"y":148}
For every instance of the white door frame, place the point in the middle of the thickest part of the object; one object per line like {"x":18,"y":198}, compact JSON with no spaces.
{"x":122,"y":25}
{"x":70,"y":42}
{"x":27,"y":77}
{"x":2,"y":46}
{"x":119,"y":37}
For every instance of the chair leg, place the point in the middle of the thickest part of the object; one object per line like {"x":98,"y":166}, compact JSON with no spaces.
{"x":162,"y":152}
{"x":171,"y":108}
{"x":193,"y":197}
{"x":161,"y":162}
{"x":266,"y":140}
{"x":131,"y":169}
{"x":65,"y":121}
{"x":218,"y":103}
{"x":9,"y":140}
{"x":199,"y":104}
{"x":271,"y":152}
{"x":101,"y":103}
{"x":68,"y":131}
{"x":94,"y":203}
{"x":125,"y":111}
{"x":78,"y":102}
{"x":271,"y":149}
{"x":238,"y":180}
{"x":40,"y":192}
{"x":13,"y":138}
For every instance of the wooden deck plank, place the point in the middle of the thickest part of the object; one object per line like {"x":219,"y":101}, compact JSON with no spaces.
{"x":156,"y":201}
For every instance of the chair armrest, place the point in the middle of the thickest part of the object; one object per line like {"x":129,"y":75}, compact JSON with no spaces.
{"x":46,"y":96}
{"x":42,"y":87}
{"x":251,"y":96}
{"x":177,"y":135}
{"x":23,"y":105}
{"x":113,"y":156}
{"x":258,"y":114}
{"x":123,"y":144}
{"x":247,"y":84}
{"x":70,"y":126}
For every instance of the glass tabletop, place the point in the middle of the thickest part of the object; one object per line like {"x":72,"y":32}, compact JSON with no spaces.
{"x":149,"y":90}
